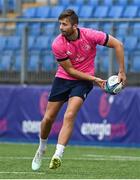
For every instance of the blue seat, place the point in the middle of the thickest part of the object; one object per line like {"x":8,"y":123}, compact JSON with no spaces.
{"x":138,"y":45}
{"x":130,"y":12}
{"x":120,"y":38}
{"x":104,"y":63}
{"x":86,"y":11}
{"x":106,"y":27}
{"x":13,"y":42}
{"x":20,"y":27}
{"x":64,"y":2}
{"x":107,"y":2}
{"x":136,"y":64}
{"x":94,"y":25}
{"x":43,"y":12}
{"x":35,"y":29}
{"x":130,"y":43}
{"x":100,"y":12}
{"x":31,"y":42}
{"x":49,"y":63}
{"x":29,"y":13}
{"x":81,"y":24}
{"x":17,"y":62}
{"x":79,"y":2}
{"x":93,"y":3}
{"x":122,"y":29}
{"x":49,"y":28}
{"x":1,"y":5}
{"x":121,"y":2}
{"x":42,"y":43}
{"x":10,"y":5}
{"x":76,"y":8}
{"x":3,"y":42}
{"x":136,"y":29}
{"x":136,"y":2}
{"x":33,"y":63}
{"x":5,"y":62}
{"x":115,"y":12}
{"x":55,"y":11}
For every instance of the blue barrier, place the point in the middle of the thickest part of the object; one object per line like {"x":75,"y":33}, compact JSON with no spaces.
{"x":103,"y":119}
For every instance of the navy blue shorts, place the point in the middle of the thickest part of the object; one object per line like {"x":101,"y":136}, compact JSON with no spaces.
{"x":63,"y":89}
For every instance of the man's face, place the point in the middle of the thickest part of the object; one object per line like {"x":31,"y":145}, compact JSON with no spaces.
{"x":66,"y":28}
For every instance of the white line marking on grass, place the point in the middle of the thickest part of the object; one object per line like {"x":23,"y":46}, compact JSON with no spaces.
{"x":16,"y":172}
{"x":114,"y":157}
{"x":85,"y":157}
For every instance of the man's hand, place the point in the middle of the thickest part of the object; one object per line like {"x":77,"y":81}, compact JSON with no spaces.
{"x":122,"y":78}
{"x":100,"y":82}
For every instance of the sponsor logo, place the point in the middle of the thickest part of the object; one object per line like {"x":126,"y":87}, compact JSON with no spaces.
{"x":29,"y":126}
{"x":96,"y":129}
{"x":104,"y":130}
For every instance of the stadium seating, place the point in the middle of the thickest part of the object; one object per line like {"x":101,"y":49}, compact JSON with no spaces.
{"x":88,"y":9}
{"x":65,"y":3}
{"x":31,"y":42}
{"x":42,"y":12}
{"x":42,"y":43}
{"x":20,"y":27}
{"x":33,"y":62}
{"x":13,"y":43}
{"x":48,"y":63}
{"x":35,"y":29}
{"x":136,"y":64}
{"x":136,"y":29}
{"x":130,"y":12}
{"x":115,"y":11}
{"x":55,"y":11}
{"x":5,"y":62}
{"x":29,"y":13}
{"x":93,"y":3}
{"x":101,"y":11}
{"x":136,"y":2}
{"x":74,"y":7}
{"x":107,"y":2}
{"x":121,"y":2}
{"x":122,"y":29}
{"x":130,"y":43}
{"x":41,"y":35}
{"x":49,"y":29}
{"x":3,"y":41}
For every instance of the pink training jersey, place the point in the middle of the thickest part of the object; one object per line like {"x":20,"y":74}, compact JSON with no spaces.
{"x":80,"y":52}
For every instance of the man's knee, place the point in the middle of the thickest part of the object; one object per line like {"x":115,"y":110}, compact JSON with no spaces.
{"x":48,"y":119}
{"x":69,"y":116}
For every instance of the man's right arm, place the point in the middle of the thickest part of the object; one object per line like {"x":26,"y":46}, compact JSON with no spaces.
{"x":68,"y":67}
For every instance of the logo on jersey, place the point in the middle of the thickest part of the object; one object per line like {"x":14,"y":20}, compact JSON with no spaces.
{"x":87,"y":47}
{"x":69,"y":53}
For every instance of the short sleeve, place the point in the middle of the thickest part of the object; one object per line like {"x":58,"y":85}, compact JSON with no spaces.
{"x":58,"y":50}
{"x":98,"y":37}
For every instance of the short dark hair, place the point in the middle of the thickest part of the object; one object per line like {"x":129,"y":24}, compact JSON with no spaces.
{"x":69,"y":13}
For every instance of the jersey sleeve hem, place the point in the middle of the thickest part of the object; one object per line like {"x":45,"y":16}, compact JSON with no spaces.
{"x":63,"y":59}
{"x":106,"y":40}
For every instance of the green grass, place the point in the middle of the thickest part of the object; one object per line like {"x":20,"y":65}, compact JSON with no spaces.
{"x":78,"y":163}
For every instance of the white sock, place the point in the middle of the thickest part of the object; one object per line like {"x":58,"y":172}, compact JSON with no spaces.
{"x":59,"y":150}
{"x":42,"y":145}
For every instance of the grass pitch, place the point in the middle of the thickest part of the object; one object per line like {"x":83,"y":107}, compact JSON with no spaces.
{"x":78,"y":163}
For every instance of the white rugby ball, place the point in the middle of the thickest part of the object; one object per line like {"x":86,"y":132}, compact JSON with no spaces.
{"x":112,"y":85}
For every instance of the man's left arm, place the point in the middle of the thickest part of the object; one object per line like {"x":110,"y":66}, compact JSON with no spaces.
{"x":118,"y":46}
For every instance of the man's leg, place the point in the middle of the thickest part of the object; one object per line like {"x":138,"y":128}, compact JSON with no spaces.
{"x":46,"y":124}
{"x":73,"y":107}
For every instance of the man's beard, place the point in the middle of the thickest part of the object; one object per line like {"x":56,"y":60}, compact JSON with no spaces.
{"x":67,"y":34}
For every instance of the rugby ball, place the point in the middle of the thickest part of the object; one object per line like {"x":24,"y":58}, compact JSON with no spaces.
{"x":112,"y":85}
